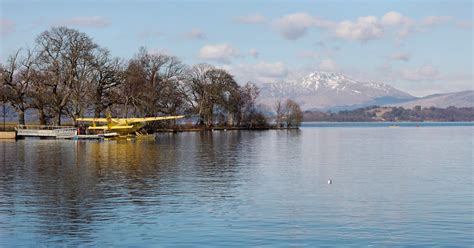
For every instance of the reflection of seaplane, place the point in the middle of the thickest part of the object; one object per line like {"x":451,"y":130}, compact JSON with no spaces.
{"x":122,"y":127}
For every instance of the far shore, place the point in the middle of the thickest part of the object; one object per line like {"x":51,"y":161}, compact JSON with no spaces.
{"x":10,"y":126}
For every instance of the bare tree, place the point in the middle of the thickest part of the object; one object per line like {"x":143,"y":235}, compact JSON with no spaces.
{"x":154,"y":84}
{"x":173,"y":92}
{"x":279,"y":113}
{"x":106,"y":75}
{"x":293,"y":114}
{"x":221,"y":91}
{"x":3,"y":100}
{"x":214,"y":92}
{"x":40,"y":97}
{"x":66,"y":55}
{"x":248,"y":97}
{"x":132,"y":89}
{"x":197,"y":88}
{"x":16,"y":79}
{"x":151,"y":65}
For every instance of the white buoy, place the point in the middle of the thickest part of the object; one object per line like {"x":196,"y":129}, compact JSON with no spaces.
{"x":329,"y":181}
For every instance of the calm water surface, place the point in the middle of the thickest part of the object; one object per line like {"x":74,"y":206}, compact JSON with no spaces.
{"x":404,"y":186}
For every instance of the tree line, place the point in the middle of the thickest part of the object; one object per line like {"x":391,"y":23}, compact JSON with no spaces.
{"x":375,"y":113}
{"x":67,"y":74}
{"x":418,"y":113}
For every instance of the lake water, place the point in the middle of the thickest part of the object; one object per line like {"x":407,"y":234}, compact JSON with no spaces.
{"x":407,"y":186}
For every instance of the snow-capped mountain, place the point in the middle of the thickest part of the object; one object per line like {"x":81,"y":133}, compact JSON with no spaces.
{"x":326,"y":90}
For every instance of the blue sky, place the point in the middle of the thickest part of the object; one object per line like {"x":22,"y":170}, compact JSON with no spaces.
{"x":421,"y":47}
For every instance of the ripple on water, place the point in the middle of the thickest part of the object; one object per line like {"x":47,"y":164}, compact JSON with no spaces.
{"x":409,"y":186}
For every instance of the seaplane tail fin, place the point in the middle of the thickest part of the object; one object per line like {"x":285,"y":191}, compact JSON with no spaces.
{"x":108,"y":115}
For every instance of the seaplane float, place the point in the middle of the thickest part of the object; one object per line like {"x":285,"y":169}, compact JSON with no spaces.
{"x":119,"y":128}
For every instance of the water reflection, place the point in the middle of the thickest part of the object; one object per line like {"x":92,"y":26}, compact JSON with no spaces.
{"x":68,"y":185}
{"x":225,"y":188}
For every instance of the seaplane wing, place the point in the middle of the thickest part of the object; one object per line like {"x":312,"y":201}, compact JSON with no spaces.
{"x":121,"y":127}
{"x":110,"y":128}
{"x":98,"y":128}
{"x":146,"y":119}
{"x":92,"y":119}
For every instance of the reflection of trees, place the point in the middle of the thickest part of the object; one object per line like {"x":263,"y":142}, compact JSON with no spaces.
{"x":69,"y":187}
{"x":9,"y":171}
{"x":70,"y":190}
{"x":62,"y":193}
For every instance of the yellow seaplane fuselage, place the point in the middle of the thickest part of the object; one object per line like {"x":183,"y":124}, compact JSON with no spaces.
{"x":123,"y":126}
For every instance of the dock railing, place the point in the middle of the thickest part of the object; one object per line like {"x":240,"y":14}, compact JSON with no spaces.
{"x":46,"y":131}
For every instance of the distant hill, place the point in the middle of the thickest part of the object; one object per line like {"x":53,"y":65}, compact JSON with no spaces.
{"x":332,"y":91}
{"x":456,"y":99}
{"x":417,"y":114}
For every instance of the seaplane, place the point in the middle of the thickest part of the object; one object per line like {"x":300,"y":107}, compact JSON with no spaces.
{"x":121,"y":127}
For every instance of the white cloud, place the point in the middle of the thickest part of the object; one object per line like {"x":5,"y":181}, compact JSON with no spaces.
{"x":261,"y":72}
{"x":86,"y":21}
{"x":218,"y":52}
{"x":328,"y":65}
{"x":254,"y":53}
{"x":392,"y":18}
{"x":363,"y":29}
{"x":401,"y":56}
{"x":6,"y":26}
{"x":195,"y":33}
{"x":402,"y":25}
{"x":294,"y":26}
{"x":422,"y":73}
{"x":409,"y":26}
{"x":250,"y":19}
